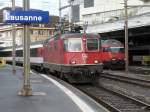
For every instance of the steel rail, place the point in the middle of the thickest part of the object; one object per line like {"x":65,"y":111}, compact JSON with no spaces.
{"x":97,"y":99}
{"x":128,"y":97}
{"x":112,"y":107}
{"x":139,"y":82}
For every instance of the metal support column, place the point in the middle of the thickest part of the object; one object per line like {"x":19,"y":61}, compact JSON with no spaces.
{"x":26,"y":91}
{"x":126,"y":36}
{"x":70,"y":19}
{"x":14,"y":40}
{"x":60,"y":24}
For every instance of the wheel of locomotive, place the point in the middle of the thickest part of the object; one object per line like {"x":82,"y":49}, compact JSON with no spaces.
{"x":112,"y":67}
{"x":62,"y":76}
{"x":96,"y":80}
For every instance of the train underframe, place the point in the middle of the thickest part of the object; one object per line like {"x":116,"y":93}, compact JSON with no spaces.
{"x":114,"y":64}
{"x":76,"y":74}
{"x":73,"y":74}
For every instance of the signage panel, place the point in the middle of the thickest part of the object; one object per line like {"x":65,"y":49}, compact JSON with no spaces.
{"x":26,"y":16}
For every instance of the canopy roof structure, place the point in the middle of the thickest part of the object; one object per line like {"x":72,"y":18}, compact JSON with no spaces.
{"x":145,"y":0}
{"x":133,"y":22}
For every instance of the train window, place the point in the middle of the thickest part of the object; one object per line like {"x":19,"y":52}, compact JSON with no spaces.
{"x":114,"y":49}
{"x":122,"y":49}
{"x":106,"y":50}
{"x":65,"y":47}
{"x":100,"y":44}
{"x":117,"y":49}
{"x":33,"y":52}
{"x":5,"y":54}
{"x":73,"y":44}
{"x":19,"y":53}
{"x":92,"y":44}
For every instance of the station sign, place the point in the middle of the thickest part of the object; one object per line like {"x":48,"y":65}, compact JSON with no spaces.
{"x":25,"y":16}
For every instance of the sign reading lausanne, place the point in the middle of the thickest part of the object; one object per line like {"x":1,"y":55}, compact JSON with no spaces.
{"x":26,"y":16}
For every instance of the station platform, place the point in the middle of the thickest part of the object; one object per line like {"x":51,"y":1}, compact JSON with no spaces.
{"x":145,"y":70}
{"x":49,"y":95}
{"x":132,"y":74}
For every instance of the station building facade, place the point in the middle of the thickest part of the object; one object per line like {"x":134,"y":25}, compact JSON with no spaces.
{"x":36,"y":34}
{"x":96,"y":11}
{"x":108,"y":21}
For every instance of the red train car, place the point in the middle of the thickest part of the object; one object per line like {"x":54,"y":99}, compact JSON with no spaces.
{"x":113,"y":54}
{"x":77,"y":57}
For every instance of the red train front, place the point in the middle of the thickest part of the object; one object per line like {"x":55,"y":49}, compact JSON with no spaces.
{"x":77,"y":57}
{"x":113,"y":54}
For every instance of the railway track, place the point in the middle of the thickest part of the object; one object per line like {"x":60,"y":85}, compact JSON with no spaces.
{"x":140,"y":82}
{"x":114,"y":101}
{"x":139,"y":70}
{"x":137,"y":88}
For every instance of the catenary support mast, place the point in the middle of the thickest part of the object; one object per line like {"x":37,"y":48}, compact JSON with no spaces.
{"x":14,"y":40}
{"x":26,"y":91}
{"x":126,"y":36}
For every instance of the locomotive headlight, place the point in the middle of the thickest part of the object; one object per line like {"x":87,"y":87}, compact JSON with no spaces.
{"x":95,"y":61}
{"x":113,"y":59}
{"x":73,"y":62}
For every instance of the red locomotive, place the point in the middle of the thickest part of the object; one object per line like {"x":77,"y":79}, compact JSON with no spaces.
{"x":113,"y":54}
{"x":76,"y":57}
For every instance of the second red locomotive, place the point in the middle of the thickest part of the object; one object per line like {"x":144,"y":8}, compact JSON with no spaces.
{"x":113,"y":55}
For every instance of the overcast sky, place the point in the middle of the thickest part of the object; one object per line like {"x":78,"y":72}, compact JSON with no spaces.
{"x":53,"y":5}
{"x":47,"y":5}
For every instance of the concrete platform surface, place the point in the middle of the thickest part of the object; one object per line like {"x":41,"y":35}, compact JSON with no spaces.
{"x":145,"y":70}
{"x":48,"y":95}
{"x":130,"y":74}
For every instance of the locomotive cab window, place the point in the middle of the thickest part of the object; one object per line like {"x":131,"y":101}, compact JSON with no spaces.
{"x":65,"y":45}
{"x":92,"y":44}
{"x":73,"y":45}
{"x":114,"y":49}
{"x":117,"y":49}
